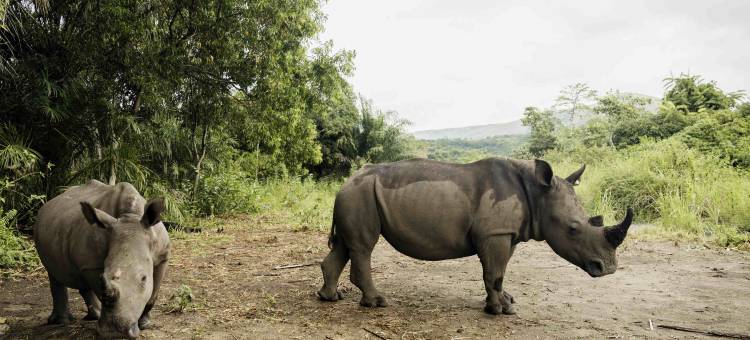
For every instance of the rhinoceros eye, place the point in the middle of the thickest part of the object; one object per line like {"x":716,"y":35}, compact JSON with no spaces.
{"x":572,"y":230}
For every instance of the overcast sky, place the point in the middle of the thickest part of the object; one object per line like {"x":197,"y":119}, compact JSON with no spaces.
{"x":446,"y":63}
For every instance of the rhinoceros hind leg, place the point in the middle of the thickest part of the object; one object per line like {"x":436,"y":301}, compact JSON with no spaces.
{"x":332,"y":266}
{"x":361,"y":276}
{"x":60,"y":311}
{"x":92,"y":304}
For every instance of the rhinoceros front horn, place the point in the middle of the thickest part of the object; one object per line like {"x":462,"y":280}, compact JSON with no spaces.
{"x":616,"y":234}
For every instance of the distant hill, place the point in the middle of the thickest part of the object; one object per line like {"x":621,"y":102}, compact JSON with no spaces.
{"x":512,"y":128}
{"x":474,"y":132}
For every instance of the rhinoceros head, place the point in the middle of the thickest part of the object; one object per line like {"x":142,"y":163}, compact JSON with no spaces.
{"x":570,"y":232}
{"x":127,"y":279}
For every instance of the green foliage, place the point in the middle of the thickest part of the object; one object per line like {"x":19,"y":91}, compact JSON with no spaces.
{"x":692,"y":94}
{"x":198,"y":97}
{"x":543,"y":126}
{"x":303,"y":204}
{"x":225,"y":192}
{"x":15,"y":251}
{"x":724,"y":133}
{"x":381,"y":136}
{"x":465,"y":150}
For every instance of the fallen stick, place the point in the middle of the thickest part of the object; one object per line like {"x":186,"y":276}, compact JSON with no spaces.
{"x":375,"y":334}
{"x":706,"y":332}
{"x":295,"y":266}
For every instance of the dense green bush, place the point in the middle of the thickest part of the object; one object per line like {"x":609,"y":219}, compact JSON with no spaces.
{"x":15,"y":251}
{"x":225,"y":192}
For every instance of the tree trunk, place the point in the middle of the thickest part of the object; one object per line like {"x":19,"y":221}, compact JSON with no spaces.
{"x":199,"y":155}
{"x":113,"y":164}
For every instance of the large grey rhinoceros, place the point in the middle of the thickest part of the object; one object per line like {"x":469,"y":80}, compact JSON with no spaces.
{"x":432,"y":210}
{"x":110,"y":245}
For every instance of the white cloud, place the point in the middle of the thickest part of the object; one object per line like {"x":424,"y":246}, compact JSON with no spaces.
{"x":454,"y":63}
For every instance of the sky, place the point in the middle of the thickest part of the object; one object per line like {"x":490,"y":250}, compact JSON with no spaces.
{"x":447,"y":63}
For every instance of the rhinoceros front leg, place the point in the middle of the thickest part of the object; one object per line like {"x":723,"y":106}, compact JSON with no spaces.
{"x":144,"y":321}
{"x":505,"y":292}
{"x":494,"y":253}
{"x":60,"y":310}
{"x":93,"y":306}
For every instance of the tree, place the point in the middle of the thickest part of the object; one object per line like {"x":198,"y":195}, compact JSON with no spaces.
{"x":542,"y":124}
{"x":171,"y":91}
{"x":381,"y":136}
{"x":625,"y":116}
{"x":692,"y":94}
{"x":573,"y":99}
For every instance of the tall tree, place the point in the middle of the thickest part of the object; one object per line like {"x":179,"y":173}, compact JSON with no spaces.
{"x":542,"y":124}
{"x":573,"y":99}
{"x":693,"y":94}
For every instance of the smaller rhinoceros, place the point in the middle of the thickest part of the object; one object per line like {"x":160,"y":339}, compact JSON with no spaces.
{"x":110,"y":245}
{"x":434,"y":211}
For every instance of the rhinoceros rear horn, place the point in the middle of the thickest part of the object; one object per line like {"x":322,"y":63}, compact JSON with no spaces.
{"x":575,"y":177}
{"x":152,"y":212}
{"x":616,"y":234}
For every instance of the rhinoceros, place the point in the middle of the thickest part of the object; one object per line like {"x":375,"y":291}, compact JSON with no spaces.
{"x":110,"y":245}
{"x":433,"y":210}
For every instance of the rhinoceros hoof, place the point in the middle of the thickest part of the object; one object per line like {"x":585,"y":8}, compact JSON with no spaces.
{"x":509,"y":297}
{"x":144,"y":322}
{"x":91,"y":315}
{"x":375,"y":301}
{"x":60,"y":318}
{"x":325,"y":296}
{"x":499,"y":309}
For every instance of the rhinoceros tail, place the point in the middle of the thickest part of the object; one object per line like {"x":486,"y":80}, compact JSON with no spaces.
{"x":332,"y":235}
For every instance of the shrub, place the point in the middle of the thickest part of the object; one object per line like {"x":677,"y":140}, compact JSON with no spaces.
{"x":227,"y":191}
{"x":181,"y":300}
{"x":15,"y":251}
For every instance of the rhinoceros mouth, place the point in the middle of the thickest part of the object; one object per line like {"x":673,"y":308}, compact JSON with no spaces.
{"x":595,"y":268}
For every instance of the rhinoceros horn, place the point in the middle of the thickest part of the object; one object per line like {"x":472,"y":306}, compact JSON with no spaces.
{"x":616,"y":234}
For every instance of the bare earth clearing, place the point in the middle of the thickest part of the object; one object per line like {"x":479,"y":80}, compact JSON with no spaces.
{"x":239,"y":294}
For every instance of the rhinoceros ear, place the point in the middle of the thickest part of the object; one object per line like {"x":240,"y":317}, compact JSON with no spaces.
{"x":543,"y":172}
{"x":152,"y":212}
{"x":597,"y":221}
{"x":96,"y":216}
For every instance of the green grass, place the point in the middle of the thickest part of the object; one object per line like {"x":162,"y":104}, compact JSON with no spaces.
{"x":302,"y":204}
{"x":687,"y":194}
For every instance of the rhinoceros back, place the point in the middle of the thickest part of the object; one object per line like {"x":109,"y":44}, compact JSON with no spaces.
{"x":431,"y":210}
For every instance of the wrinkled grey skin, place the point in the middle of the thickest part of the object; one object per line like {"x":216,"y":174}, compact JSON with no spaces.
{"x":432,"y":210}
{"x":110,"y":245}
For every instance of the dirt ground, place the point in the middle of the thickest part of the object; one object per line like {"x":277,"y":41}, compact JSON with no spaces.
{"x":239,"y":295}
